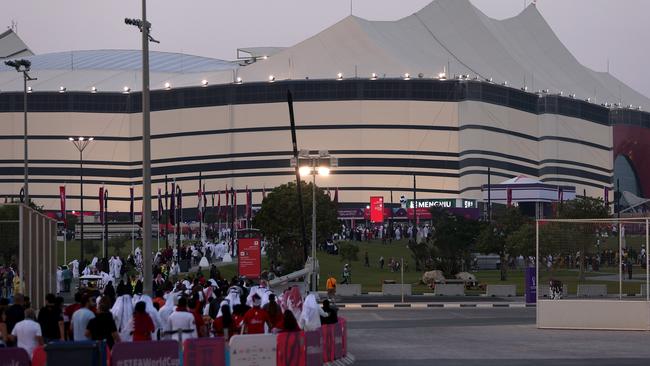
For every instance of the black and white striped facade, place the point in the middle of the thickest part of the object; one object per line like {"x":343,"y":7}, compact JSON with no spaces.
{"x":446,"y":132}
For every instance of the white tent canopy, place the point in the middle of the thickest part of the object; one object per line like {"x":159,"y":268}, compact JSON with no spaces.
{"x":526,"y":189}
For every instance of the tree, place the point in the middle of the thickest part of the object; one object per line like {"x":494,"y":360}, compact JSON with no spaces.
{"x":509,"y":234}
{"x":450,"y":245}
{"x":9,"y":233}
{"x":279,"y":221}
{"x":565,"y":238}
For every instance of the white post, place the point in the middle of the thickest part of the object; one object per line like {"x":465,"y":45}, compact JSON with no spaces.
{"x":402,"y":270}
{"x":620,"y":263}
{"x":647,"y":263}
{"x":537,"y":270}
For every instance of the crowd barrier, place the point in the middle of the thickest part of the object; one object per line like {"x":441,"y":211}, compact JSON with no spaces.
{"x":312,"y":348}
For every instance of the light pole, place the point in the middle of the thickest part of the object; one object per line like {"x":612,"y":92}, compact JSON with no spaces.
{"x":145,"y":27}
{"x":24,"y":66}
{"x":81,"y":143}
{"x":314,"y":165}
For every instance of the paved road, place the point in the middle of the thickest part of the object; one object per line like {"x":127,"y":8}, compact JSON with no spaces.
{"x":505,"y":337}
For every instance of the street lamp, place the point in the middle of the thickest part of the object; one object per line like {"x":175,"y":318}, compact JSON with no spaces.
{"x":81,"y":143}
{"x":318,"y":164}
{"x":24,"y":66}
{"x":145,"y":27}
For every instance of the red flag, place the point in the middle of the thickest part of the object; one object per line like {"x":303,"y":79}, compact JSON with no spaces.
{"x":63,"y":216}
{"x":101,"y":205}
{"x":509,"y":196}
{"x":199,"y":205}
{"x":248,"y":203}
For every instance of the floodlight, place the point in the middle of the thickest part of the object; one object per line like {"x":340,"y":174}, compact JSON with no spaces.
{"x":442,"y":76}
{"x":304,"y":171}
{"x":204,"y":83}
{"x":126,"y":90}
{"x":407,"y":76}
{"x":373,"y":76}
{"x":168,"y":86}
{"x":62,"y":89}
{"x":324,"y":171}
{"x":271,"y":78}
{"x":29,"y":89}
{"x":239,"y":80}
{"x":93,"y":89}
{"x":339,"y":76}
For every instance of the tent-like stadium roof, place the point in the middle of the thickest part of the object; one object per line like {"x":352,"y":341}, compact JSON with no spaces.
{"x":450,"y":35}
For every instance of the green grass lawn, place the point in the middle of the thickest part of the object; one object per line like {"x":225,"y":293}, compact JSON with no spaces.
{"x":371,"y":278}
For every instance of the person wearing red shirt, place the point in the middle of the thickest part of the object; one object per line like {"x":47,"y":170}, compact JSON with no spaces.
{"x":275,"y":313}
{"x":256,"y":317}
{"x":142,"y":323}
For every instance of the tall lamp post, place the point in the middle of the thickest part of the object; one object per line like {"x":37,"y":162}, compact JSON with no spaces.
{"x":81,"y":143}
{"x":24,"y":67}
{"x":314,"y":165}
{"x":145,"y":27}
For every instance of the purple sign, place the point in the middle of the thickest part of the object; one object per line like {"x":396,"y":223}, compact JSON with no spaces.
{"x":355,"y":213}
{"x":530,"y":285}
{"x":13,"y":357}
{"x":159,"y":353}
{"x":204,"y":352}
{"x":314,"y":350}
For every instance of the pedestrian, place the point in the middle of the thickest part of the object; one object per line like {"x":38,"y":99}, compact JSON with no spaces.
{"x":27,"y":332}
{"x":142,"y":324}
{"x":347,"y":274}
{"x":255,"y":318}
{"x":275,"y":313}
{"x":50,"y":318}
{"x":311,"y":314}
{"x":366,"y":259}
{"x":331,"y":311}
{"x":331,"y":286}
{"x":223,"y":325}
{"x":102,"y":327}
{"x":181,"y":322}
{"x":381,"y":262}
{"x":16,"y":312}
{"x":80,"y":319}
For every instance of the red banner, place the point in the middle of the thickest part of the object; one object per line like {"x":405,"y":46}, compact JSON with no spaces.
{"x":250,"y":257}
{"x":328,"y":342}
{"x":291,"y":349}
{"x":62,"y":196}
{"x":204,"y":352}
{"x":377,"y":209}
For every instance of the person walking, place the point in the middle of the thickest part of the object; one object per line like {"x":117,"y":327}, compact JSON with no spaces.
{"x":142,"y":324}
{"x":256,"y":318}
{"x":80,"y":319}
{"x":331,"y":286}
{"x":181,"y":322}
{"x":102,"y":327}
{"x":347,"y":274}
{"x":50,"y":318}
{"x":27,"y":333}
{"x":366,"y":259}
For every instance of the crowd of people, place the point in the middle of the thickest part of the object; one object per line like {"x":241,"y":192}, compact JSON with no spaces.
{"x":193,"y":307}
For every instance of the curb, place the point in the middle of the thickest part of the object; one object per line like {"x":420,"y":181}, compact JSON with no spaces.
{"x":434,"y":305}
{"x":345,"y":361}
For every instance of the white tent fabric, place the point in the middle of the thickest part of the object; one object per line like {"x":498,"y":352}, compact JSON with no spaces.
{"x":526,"y":189}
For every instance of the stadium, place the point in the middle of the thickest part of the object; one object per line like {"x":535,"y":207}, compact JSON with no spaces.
{"x":442,"y":95}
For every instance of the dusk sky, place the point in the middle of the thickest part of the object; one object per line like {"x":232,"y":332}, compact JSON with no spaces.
{"x":593,"y":30}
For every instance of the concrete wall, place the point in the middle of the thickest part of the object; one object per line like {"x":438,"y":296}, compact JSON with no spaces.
{"x":593,"y":314}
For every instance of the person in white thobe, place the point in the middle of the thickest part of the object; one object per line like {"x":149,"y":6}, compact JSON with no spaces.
{"x":181,"y":325}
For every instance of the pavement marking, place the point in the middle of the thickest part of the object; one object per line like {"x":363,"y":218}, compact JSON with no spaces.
{"x":424,"y":305}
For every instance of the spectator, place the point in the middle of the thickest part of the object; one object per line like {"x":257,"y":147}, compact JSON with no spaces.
{"x":27,"y":333}
{"x":223,"y":325}
{"x":331,"y":311}
{"x":311,"y":313}
{"x":142,"y":323}
{"x":366,"y":259}
{"x":193,"y":306}
{"x":102,"y":327}
{"x":15,"y":312}
{"x":3,"y":327}
{"x":331,"y":286}
{"x":255,"y":318}
{"x":50,"y":318}
{"x":275,"y":313}
{"x":290,"y":324}
{"x":181,"y":322}
{"x":80,"y":319}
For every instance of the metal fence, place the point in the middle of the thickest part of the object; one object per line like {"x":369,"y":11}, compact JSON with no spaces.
{"x":28,"y":241}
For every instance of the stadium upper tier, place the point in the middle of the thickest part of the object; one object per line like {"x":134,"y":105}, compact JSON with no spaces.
{"x":449,"y":36}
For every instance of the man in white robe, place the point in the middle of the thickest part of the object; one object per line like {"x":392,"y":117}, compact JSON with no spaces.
{"x":123,"y":314}
{"x":181,"y":325}
{"x":75,"y":268}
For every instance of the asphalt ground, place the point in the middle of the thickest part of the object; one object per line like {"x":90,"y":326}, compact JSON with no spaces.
{"x":475,"y":336}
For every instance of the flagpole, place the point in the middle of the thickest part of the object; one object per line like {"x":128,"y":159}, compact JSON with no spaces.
{"x":132,"y":223}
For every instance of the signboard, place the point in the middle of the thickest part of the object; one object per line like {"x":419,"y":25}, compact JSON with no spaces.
{"x":13,"y":357}
{"x":145,"y":353}
{"x":530,"y":286}
{"x":204,"y":352}
{"x":250,"y":257}
{"x":428,"y":203}
{"x":355,"y":213}
{"x":469,"y":203}
{"x":253,"y":350}
{"x":377,"y":209}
